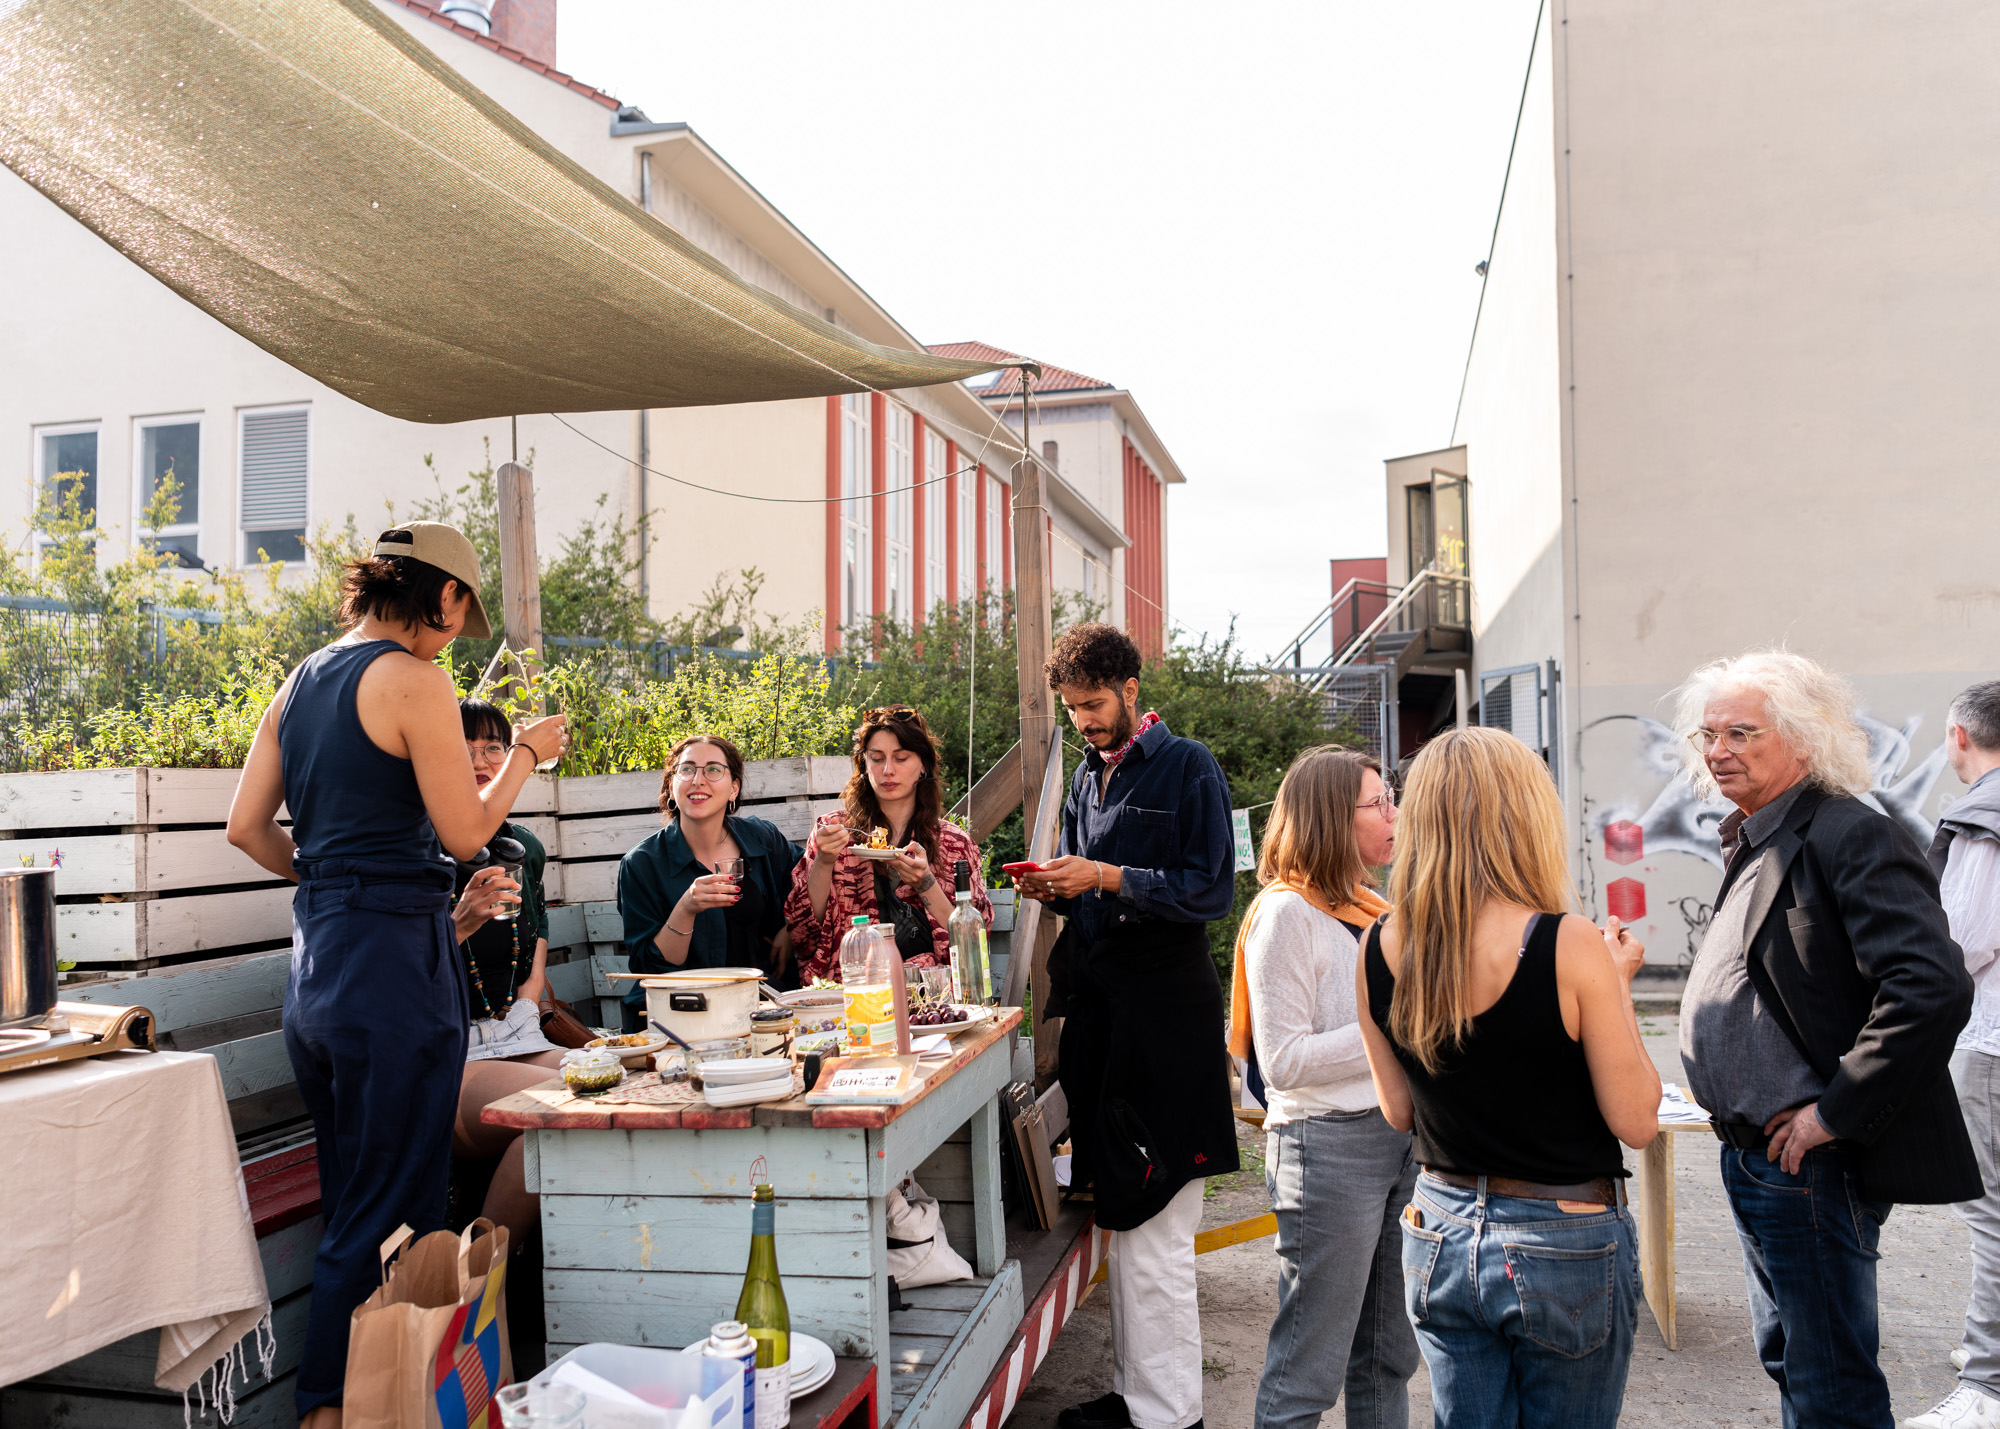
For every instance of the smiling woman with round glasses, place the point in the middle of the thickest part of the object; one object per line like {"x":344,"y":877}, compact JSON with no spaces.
{"x":708,"y":890}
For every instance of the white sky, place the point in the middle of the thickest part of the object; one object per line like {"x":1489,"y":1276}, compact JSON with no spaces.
{"x":1261,"y":220}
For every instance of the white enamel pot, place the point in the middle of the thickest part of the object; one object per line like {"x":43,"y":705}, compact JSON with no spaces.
{"x":699,"y":1005}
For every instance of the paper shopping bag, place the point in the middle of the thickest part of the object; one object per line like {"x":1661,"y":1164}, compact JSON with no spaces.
{"x":429,"y":1350}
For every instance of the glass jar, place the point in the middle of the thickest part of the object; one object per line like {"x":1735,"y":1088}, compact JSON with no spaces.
{"x":587,"y":1071}
{"x":771,"y":1032}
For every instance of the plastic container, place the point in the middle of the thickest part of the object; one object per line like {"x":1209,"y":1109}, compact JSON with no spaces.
{"x":871,"y":978}
{"x":631,"y":1387}
{"x":588,"y":1071}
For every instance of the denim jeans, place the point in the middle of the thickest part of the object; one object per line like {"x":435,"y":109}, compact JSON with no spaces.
{"x":1339,"y":1183}
{"x":1809,"y":1253}
{"x":1525,"y":1312}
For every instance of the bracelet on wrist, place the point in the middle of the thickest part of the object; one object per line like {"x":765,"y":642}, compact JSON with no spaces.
{"x":679,"y":932}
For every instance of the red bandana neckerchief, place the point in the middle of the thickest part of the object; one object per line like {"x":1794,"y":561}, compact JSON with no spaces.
{"x":1146,"y":722}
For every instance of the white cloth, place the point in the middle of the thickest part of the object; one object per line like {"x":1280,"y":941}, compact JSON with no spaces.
{"x":1971,"y":894}
{"x":519,"y":1034}
{"x":1303,"y":1017}
{"x":126,"y":1212}
{"x":1155,"y":1323}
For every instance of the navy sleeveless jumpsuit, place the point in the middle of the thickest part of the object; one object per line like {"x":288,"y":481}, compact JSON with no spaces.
{"x":375,"y":1006}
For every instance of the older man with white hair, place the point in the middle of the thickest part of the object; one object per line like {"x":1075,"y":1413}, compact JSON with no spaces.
{"x":1818,"y":1023}
{"x":1966,"y":857}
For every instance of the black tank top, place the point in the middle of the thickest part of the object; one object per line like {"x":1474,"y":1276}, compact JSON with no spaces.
{"x":1514,"y":1099}
{"x":349,"y":797}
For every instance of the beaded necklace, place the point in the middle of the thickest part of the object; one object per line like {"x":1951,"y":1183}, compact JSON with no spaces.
{"x":513,"y":974}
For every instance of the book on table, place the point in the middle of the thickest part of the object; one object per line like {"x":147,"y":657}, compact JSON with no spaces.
{"x":866,"y":1081}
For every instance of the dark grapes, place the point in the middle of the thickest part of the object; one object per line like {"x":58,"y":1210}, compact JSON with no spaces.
{"x":937,"y":1017}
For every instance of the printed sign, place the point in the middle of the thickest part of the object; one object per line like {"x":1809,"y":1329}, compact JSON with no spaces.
{"x":1246,"y":851}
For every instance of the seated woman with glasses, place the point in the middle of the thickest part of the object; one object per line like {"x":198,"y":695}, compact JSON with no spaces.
{"x":507,"y":989}
{"x":893,"y":794}
{"x":708,"y":890}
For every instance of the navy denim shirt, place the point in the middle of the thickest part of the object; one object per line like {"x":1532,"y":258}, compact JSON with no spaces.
{"x":1165,"y":821}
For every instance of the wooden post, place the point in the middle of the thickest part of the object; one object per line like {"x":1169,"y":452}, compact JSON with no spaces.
{"x":1032,"y":614}
{"x":520,"y":568}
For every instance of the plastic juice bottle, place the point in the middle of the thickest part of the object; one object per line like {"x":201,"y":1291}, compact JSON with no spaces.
{"x":971,"y":982}
{"x":869,"y":997}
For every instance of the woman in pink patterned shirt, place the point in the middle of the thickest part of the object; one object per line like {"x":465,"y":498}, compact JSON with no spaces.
{"x":894,"y":787}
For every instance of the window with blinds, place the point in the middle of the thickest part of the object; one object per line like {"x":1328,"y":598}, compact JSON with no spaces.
{"x":901,"y":451}
{"x":936,"y":507}
{"x":271,"y":509}
{"x":857,"y":484}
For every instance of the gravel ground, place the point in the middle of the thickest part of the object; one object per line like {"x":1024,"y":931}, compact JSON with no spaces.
{"x":1713,"y":1379}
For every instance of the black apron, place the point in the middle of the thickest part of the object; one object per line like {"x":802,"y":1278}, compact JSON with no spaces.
{"x":1145,"y":1065}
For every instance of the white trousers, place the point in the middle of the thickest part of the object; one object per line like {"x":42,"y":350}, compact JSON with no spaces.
{"x":1155,"y":1324}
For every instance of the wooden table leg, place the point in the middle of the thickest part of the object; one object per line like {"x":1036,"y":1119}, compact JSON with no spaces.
{"x":1656,"y":1232}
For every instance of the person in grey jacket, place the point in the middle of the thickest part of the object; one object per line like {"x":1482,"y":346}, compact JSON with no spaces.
{"x":1966,"y":857}
{"x":1818,"y":1023}
{"x":1339,"y":1175}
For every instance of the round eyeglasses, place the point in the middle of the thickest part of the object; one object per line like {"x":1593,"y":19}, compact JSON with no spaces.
{"x":1735,"y":739}
{"x":714,"y":773}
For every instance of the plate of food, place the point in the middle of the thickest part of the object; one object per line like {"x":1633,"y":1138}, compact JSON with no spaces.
{"x":631,"y":1048}
{"x":948,"y":1018}
{"x":877,"y":854}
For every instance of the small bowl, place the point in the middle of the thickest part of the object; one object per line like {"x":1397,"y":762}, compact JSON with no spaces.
{"x":714,"y":1049}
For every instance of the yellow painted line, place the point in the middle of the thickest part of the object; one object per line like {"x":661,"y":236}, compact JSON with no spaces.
{"x":1256,"y":1228}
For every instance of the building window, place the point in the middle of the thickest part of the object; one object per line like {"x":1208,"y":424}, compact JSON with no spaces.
{"x":935,"y":492}
{"x":272,"y":508}
{"x":170,"y":446}
{"x":857,"y":487}
{"x":996,"y":517}
{"x":901,"y":458}
{"x":966,"y":484}
{"x":68,"y":460}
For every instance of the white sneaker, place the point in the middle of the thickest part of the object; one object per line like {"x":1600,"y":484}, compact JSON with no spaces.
{"x":1964,"y":1408}
{"x":1960,"y":1358}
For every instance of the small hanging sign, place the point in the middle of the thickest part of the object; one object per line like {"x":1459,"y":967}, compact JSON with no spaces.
{"x":1246,"y":851}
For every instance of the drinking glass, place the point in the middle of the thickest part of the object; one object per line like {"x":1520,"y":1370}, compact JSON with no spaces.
{"x":732,"y":867}
{"x":555,"y":706}
{"x":505,"y":911}
{"x":541,"y":1406}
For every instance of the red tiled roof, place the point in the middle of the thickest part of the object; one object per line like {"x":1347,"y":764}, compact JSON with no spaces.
{"x":1053,"y":378}
{"x":509,"y":52}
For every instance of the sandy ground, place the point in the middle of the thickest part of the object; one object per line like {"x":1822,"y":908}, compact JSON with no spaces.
{"x":1713,"y":1379}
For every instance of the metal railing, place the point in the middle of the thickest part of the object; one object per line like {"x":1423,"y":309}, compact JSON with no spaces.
{"x":58,"y":660}
{"x":1431,"y":601}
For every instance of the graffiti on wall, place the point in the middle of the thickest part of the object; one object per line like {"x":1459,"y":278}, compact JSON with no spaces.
{"x":1652,"y":855}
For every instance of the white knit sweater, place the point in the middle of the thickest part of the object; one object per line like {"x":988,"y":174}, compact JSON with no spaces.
{"x":1303,"y":1017}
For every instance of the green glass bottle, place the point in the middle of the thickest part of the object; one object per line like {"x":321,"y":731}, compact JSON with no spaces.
{"x":761,"y":1308}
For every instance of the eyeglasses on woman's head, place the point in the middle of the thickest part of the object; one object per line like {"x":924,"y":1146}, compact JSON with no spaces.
{"x":713,"y":772}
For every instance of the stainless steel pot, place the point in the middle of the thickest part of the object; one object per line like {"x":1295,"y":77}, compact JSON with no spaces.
{"x":27,"y":944}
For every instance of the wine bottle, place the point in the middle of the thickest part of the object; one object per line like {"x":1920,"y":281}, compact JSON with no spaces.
{"x":971,"y":983}
{"x":761,"y":1308}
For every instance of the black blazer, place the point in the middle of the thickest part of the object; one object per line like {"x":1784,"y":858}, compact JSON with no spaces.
{"x":1850,"y":950}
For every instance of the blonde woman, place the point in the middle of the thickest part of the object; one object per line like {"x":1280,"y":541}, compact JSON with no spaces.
{"x":1501,"y":1029}
{"x":1339,"y":1175}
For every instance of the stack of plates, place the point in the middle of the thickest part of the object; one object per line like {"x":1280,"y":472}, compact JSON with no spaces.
{"x":812,"y":1364}
{"x":745,"y":1081}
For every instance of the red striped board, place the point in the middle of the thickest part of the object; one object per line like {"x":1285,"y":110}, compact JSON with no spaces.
{"x":1039,"y":1328}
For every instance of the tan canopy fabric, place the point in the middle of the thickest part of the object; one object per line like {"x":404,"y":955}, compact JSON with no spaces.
{"x":319,"y":181}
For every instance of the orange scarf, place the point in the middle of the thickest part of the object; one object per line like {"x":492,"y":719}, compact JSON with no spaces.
{"x":1365,"y":909}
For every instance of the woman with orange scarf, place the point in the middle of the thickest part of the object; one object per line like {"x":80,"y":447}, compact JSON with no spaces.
{"x":1339,"y":1175}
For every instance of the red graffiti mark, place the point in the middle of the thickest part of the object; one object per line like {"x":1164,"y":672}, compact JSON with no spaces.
{"x":1624,"y":842}
{"x":1625,"y":899}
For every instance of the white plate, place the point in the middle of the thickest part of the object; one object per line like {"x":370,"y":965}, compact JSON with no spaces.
{"x":750,"y":1093}
{"x":738,"y":1070}
{"x":973,"y":1017}
{"x":631,"y":1056}
{"x":878,"y":854}
{"x":812,"y":1364}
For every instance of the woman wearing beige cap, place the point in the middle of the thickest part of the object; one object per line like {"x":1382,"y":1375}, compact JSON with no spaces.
{"x":364,"y":745}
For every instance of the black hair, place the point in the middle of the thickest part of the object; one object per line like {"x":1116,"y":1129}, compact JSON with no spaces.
{"x":399,"y":589}
{"x":1094,"y":655}
{"x":483,"y":719}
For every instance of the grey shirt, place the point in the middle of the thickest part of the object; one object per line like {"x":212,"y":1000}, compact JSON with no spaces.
{"x":1740,"y":1064}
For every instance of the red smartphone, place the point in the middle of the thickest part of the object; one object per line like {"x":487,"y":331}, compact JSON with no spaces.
{"x":1015,"y":870}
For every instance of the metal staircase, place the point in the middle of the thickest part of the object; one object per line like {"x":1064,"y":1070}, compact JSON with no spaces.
{"x":1373,"y":635}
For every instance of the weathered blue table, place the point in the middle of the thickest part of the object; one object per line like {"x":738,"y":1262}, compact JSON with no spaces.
{"x":646,"y":1223}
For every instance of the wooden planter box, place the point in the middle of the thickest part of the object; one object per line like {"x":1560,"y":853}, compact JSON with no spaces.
{"x":145,"y":875}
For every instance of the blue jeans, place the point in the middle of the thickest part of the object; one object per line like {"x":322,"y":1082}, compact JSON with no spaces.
{"x":1338,"y":1183}
{"x":1525,"y":1312}
{"x":1809,"y":1253}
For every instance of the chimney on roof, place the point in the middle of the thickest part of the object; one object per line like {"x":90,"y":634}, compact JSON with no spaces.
{"x":473,"y":14}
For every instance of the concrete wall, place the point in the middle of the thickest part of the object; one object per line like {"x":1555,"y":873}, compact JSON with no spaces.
{"x":1510,"y":419}
{"x":1776,"y":380}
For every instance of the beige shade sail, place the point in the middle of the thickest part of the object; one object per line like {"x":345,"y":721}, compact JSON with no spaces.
{"x":319,"y":181}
